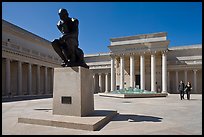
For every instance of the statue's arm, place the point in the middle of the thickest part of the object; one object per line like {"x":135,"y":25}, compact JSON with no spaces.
{"x":76,"y":22}
{"x":59,"y":26}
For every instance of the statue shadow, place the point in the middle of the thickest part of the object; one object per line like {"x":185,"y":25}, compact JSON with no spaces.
{"x":43,"y":109}
{"x":136,"y":118}
{"x":194,"y":99}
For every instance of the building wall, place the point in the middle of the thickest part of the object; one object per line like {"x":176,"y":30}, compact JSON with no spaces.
{"x":21,"y":45}
{"x":185,"y":58}
{"x":199,"y":82}
{"x":3,"y":77}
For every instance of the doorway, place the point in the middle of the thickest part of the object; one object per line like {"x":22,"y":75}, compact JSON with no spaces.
{"x":137,"y":81}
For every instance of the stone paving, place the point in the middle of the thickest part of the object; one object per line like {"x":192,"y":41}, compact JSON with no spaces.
{"x":137,"y":116}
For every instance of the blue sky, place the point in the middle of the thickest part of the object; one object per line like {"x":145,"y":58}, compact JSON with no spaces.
{"x":100,"y":21}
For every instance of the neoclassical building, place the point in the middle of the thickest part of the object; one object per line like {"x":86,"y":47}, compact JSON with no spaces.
{"x":27,"y":62}
{"x":142,"y":61}
{"x":146,"y":62}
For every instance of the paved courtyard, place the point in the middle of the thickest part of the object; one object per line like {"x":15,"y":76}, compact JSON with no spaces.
{"x":137,"y":116}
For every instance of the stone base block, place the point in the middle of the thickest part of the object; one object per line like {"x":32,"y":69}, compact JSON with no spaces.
{"x":92,"y":122}
{"x":73,"y":91}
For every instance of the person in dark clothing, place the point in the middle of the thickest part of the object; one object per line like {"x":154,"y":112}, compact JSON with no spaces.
{"x":181,"y":89}
{"x":188,"y":88}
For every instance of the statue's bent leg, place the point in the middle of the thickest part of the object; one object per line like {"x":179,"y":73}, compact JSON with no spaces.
{"x":80,"y":58}
{"x":71,"y":49}
{"x":57,"y":47}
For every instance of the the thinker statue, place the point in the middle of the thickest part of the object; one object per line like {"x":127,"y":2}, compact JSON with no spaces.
{"x":67,"y":46}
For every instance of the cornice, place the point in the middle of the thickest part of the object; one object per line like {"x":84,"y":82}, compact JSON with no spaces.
{"x":24,"y":34}
{"x":139,"y":36}
{"x":44,"y":58}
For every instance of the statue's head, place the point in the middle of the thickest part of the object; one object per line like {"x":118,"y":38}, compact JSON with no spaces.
{"x":63,"y":14}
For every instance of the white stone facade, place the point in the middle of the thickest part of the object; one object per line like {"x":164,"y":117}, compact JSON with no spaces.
{"x":27,"y":62}
{"x":143,"y":61}
{"x":146,"y":61}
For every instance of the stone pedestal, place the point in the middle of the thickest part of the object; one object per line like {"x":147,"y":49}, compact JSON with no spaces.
{"x":73,"y":91}
{"x":73,"y":103}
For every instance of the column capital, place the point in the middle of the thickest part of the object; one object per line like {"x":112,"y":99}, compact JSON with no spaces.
{"x":25,"y":62}
{"x":112,"y":55}
{"x":122,"y":55}
{"x":164,"y":51}
{"x":142,"y":53}
{"x":153,"y":52}
{"x":195,"y":70}
{"x":132,"y":54}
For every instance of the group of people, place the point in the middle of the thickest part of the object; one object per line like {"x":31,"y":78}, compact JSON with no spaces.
{"x":184,"y":89}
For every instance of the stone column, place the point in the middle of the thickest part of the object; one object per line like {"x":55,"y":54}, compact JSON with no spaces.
{"x":38,"y":79}
{"x":19,"y":78}
{"x":185,"y":77}
{"x":52,"y":79}
{"x":177,"y":80}
{"x":195,"y":80}
{"x":94,"y":82}
{"x":29,"y":79}
{"x":142,"y":72}
{"x":132,"y":71}
{"x":153,"y":72}
{"x":112,"y":73}
{"x":46,"y":91}
{"x":168,"y":80}
{"x":106,"y":79}
{"x":164,"y":72}
{"x":8,"y":76}
{"x":122,"y":65}
{"x":100,"y":82}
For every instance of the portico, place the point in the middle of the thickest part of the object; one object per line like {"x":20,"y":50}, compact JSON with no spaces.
{"x":137,"y":55}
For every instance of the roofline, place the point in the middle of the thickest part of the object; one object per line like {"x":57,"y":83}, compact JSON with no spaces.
{"x":97,"y":54}
{"x":17,"y":27}
{"x":136,"y":36}
{"x":185,"y":47}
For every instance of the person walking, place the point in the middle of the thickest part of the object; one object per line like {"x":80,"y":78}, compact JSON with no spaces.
{"x":188,"y":88}
{"x":181,"y":89}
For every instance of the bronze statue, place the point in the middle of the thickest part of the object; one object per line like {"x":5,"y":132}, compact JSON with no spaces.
{"x":67,"y":46}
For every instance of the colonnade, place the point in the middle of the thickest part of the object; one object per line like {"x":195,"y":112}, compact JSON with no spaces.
{"x":142,"y":71}
{"x":102,"y":82}
{"x":43,"y":82}
{"x":193,"y":81}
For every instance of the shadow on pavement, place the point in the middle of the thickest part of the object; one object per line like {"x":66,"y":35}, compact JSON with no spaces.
{"x":25,"y":97}
{"x":136,"y":118}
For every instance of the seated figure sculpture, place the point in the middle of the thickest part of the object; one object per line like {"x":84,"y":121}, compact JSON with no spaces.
{"x":67,"y":46}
